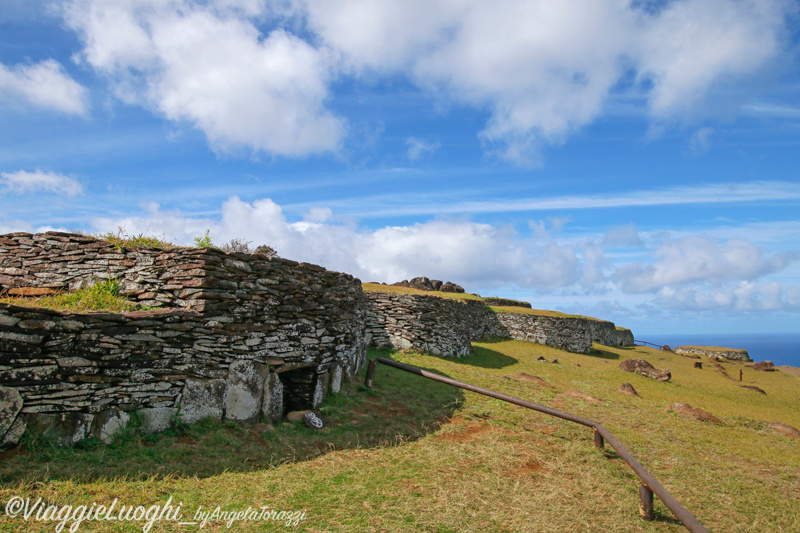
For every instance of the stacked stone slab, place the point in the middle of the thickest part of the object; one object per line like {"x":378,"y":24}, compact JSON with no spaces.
{"x":608,"y":334}
{"x":571,"y":334}
{"x":444,"y":326}
{"x":239,"y":334}
{"x":426,"y":323}
{"x":730,"y":354}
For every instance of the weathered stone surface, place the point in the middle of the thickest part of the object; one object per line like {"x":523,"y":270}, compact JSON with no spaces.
{"x":686,"y":410}
{"x":336,"y":378}
{"x":31,"y":291}
{"x":65,"y":429}
{"x":627,"y":388}
{"x":296,"y":416}
{"x":640,"y":366}
{"x":245,"y":390}
{"x":272,"y":405}
{"x":14,"y":433}
{"x":10,"y":406}
{"x":155,"y":419}
{"x":320,"y":389}
{"x":202,"y":398}
{"x":765,"y":366}
{"x":109,"y":423}
{"x":730,"y":354}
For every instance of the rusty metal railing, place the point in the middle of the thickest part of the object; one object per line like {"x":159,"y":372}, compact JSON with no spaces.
{"x":648,"y":486}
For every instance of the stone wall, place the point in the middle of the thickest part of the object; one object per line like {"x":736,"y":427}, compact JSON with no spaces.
{"x":731,"y":354}
{"x":570,"y":334}
{"x":443,"y":326}
{"x":426,"y":323}
{"x":607,"y":333}
{"x":239,"y":335}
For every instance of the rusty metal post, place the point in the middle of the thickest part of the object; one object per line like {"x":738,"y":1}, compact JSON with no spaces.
{"x":740,"y":374}
{"x":370,"y":373}
{"x":646,"y":502}
{"x":598,"y":439}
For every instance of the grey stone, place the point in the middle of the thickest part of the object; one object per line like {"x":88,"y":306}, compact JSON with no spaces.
{"x":202,"y":398}
{"x":14,"y":433}
{"x":155,"y":419}
{"x":336,"y":378}
{"x":65,"y":429}
{"x":320,"y":389}
{"x":74,"y":361}
{"x":272,"y":405}
{"x":245,"y":388}
{"x":108,"y":423}
{"x":10,"y":406}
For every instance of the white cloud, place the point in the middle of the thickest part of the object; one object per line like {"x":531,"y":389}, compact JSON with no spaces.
{"x":418,"y":147}
{"x":700,"y":259}
{"x":697,"y":272}
{"x":44,"y":85}
{"x":245,"y":74}
{"x":22,"y":182}
{"x":622,"y":236}
{"x":206,"y":63}
{"x":693,"y":44}
{"x":740,"y":296}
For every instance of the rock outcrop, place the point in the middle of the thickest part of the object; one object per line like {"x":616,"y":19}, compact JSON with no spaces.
{"x":640,"y":366}
{"x":730,"y":354}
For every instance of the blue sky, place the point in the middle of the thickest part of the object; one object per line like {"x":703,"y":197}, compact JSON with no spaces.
{"x":635,"y":161}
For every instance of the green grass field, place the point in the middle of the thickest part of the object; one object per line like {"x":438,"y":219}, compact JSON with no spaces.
{"x":416,"y":455}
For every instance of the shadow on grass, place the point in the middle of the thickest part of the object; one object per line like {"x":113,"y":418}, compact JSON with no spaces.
{"x":399,"y":408}
{"x":602,"y":354}
{"x":485,"y":358}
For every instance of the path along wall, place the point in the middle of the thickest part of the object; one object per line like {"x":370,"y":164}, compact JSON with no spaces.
{"x":241,"y":335}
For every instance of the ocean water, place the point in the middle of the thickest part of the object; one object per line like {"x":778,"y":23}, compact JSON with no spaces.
{"x":780,"y":348}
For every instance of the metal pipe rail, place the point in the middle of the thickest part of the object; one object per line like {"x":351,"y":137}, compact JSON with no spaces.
{"x":659,"y":346}
{"x":649,"y":485}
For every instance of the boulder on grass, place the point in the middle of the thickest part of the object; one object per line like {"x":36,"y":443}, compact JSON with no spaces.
{"x":640,"y":366}
{"x":627,"y":388}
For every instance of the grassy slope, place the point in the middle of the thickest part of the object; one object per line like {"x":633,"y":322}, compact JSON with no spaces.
{"x":490,"y":467}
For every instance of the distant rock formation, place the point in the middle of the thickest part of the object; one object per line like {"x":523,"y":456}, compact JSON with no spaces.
{"x":426,"y":284}
{"x":727,"y":353}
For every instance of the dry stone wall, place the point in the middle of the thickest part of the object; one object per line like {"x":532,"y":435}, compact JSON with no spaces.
{"x":426,"y":323}
{"x":731,"y":354}
{"x":607,"y":333}
{"x":233,"y":336}
{"x":444,"y":326}
{"x":570,"y":334}
{"x":240,"y":336}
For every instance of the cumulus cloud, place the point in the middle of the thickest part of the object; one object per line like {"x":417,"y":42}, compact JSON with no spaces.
{"x":245,"y":74}
{"x":740,"y":296}
{"x":692,"y":272}
{"x":46,"y":85}
{"x":699,"y":258}
{"x":622,"y":236}
{"x":207,"y":64}
{"x":22,"y":182}
{"x":462,"y":251}
{"x":545,"y":69}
